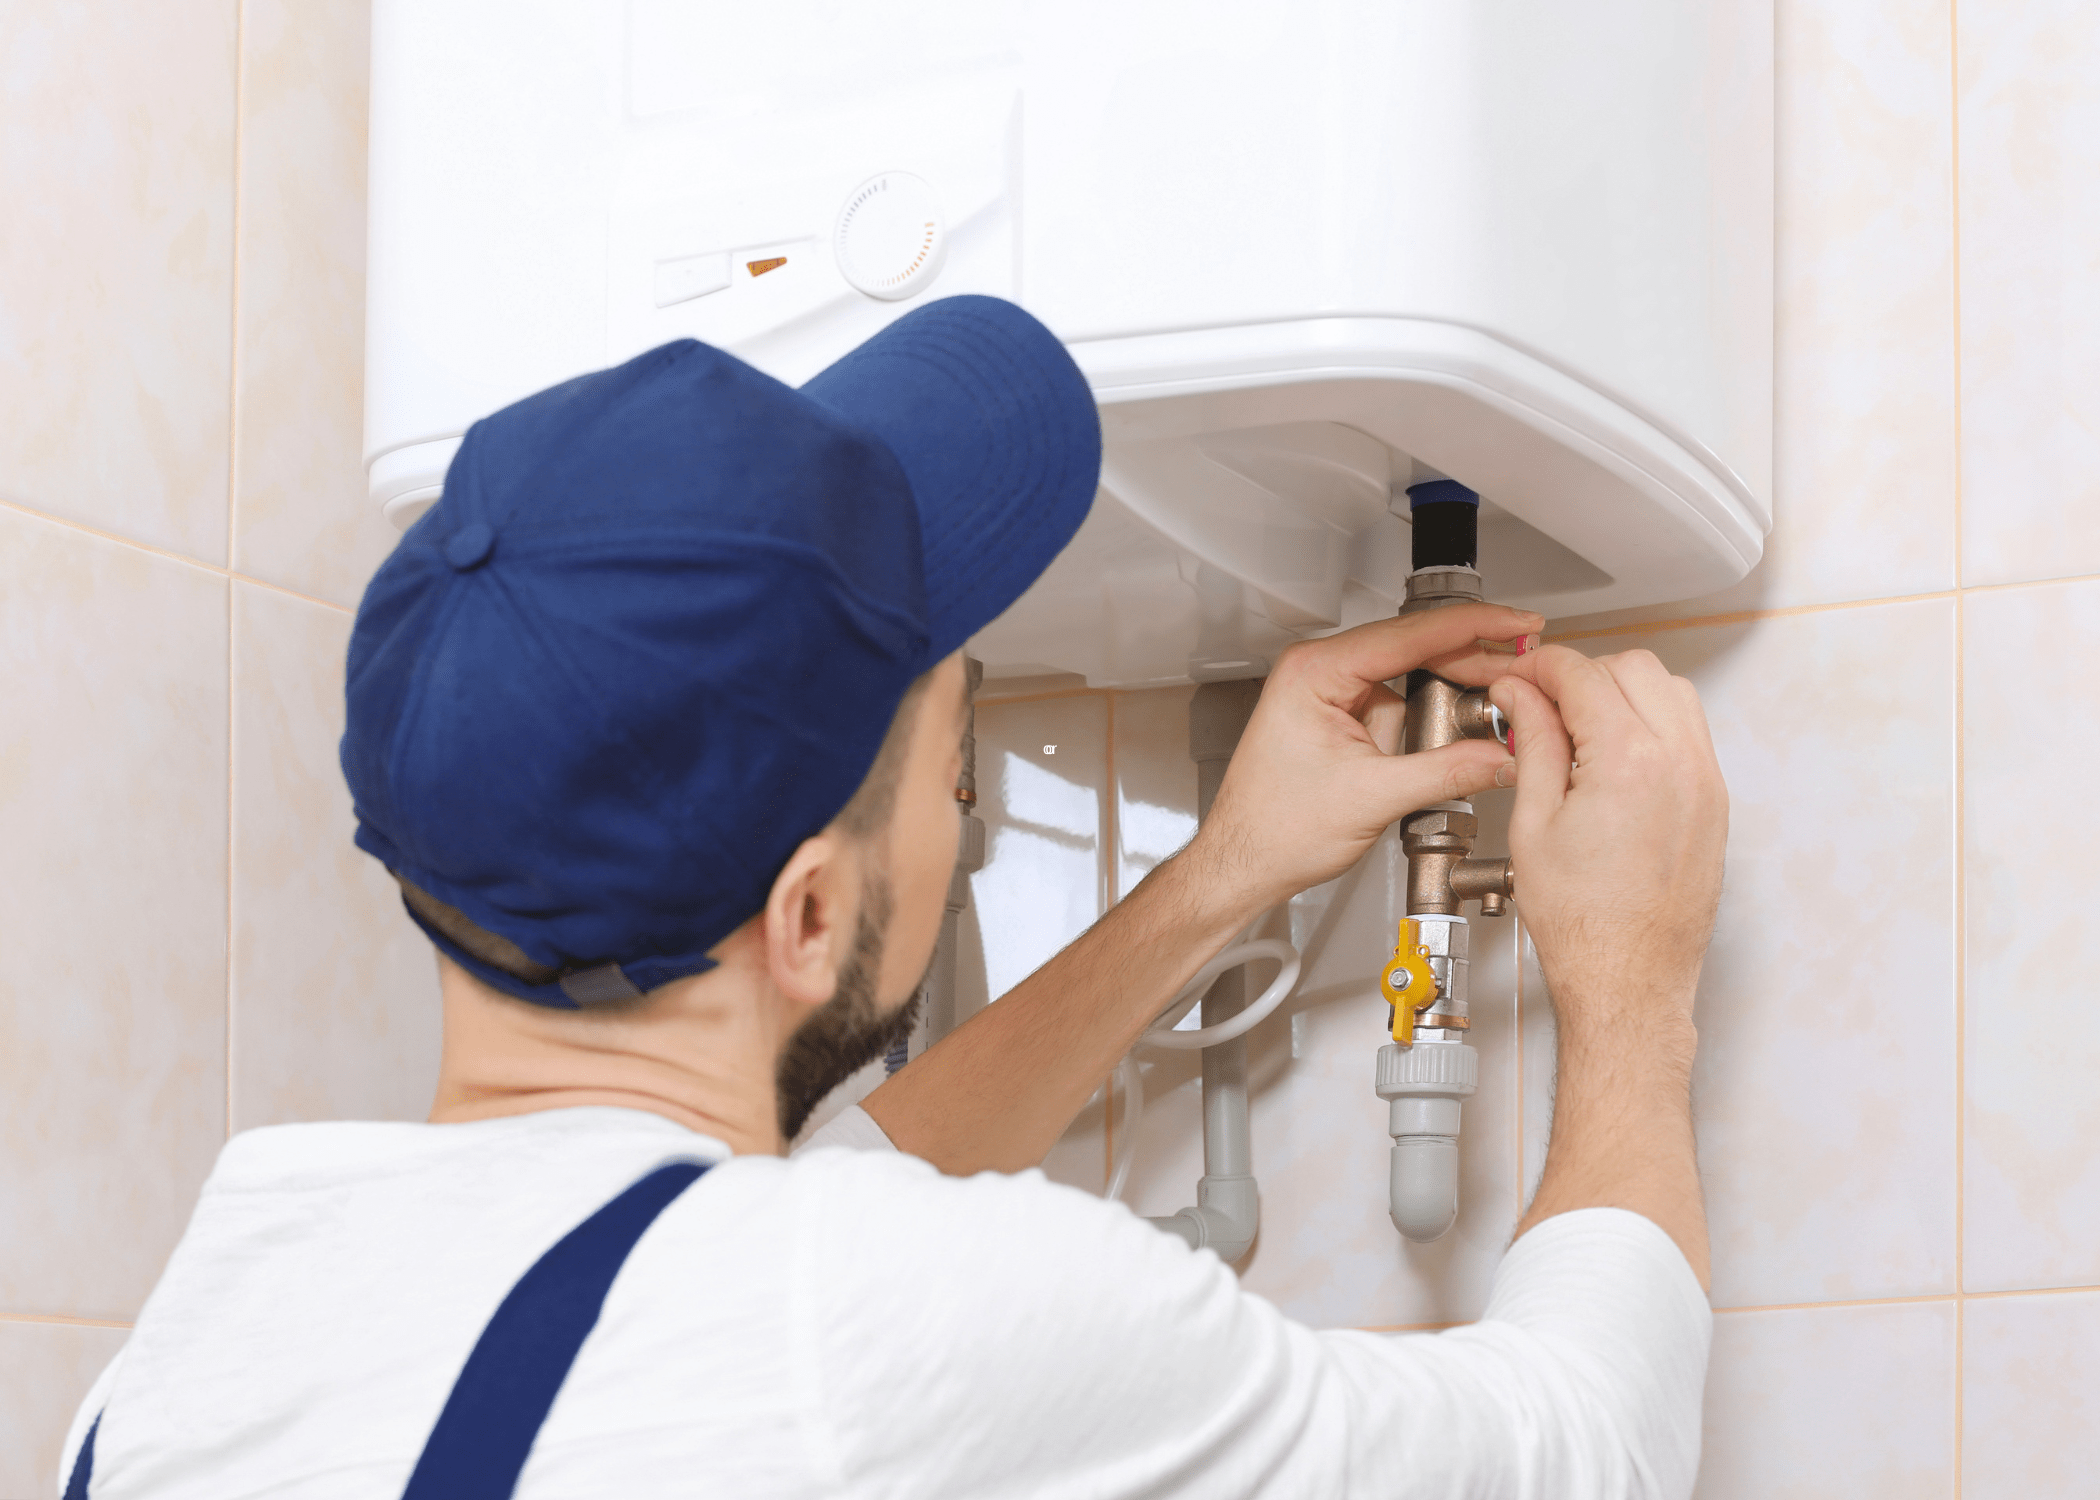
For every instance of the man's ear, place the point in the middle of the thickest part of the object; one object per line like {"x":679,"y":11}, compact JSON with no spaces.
{"x":809,"y":919}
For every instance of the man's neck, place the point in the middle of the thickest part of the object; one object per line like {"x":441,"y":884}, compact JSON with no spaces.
{"x":699,"y":1053}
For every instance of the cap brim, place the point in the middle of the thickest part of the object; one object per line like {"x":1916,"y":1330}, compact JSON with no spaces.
{"x":997,"y":433}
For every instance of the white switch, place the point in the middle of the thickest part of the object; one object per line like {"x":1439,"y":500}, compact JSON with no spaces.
{"x":695,"y":276}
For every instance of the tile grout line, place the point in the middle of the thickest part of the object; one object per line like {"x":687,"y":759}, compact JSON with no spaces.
{"x":231,"y":740}
{"x":1410,"y":1327}
{"x":1961,"y":811}
{"x":1516,"y":933}
{"x":2029,"y":1291}
{"x":1053,"y":694}
{"x":1637,"y":627}
{"x":1738,"y":617}
{"x":1111,"y":876}
{"x":1923,"y":1299}
{"x":60,"y":1320}
{"x":233,"y":474}
{"x":1961,"y":1022}
{"x":1751,"y":616}
{"x":214,"y":569}
{"x":1111,"y":883}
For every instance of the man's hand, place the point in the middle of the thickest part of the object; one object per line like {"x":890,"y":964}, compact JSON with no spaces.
{"x":1313,"y":783}
{"x":1620,"y":823}
{"x":1315,"y":780}
{"x":1617,"y":837}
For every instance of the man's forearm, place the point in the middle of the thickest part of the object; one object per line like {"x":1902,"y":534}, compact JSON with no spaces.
{"x":997,"y":1092}
{"x":1622,"y":1131}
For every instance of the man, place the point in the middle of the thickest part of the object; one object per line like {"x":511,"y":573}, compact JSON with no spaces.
{"x":655,"y":718}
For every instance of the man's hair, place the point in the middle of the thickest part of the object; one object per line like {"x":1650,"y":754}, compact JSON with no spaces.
{"x":865,"y":816}
{"x":867,"y":813}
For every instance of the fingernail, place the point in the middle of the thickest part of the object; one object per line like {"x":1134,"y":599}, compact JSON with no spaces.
{"x":1500,"y":694}
{"x":1506,"y":773}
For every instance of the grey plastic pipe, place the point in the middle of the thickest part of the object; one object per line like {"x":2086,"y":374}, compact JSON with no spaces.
{"x":1426,"y":1084}
{"x":1227,"y":1211}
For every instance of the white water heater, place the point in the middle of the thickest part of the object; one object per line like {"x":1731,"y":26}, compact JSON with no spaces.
{"x":1306,"y":251}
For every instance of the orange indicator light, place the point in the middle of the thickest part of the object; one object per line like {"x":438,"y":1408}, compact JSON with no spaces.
{"x":760,"y":267}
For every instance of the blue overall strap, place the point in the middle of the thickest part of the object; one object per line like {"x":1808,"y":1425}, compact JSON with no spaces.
{"x":84,"y":1463}
{"x":486,"y":1431}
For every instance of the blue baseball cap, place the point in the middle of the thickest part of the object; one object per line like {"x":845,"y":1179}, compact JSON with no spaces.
{"x":653,"y":635}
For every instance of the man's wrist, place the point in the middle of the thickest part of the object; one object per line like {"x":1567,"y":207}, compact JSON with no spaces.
{"x":1208,"y":892}
{"x":1647,"y":1046}
{"x":1622,"y":993}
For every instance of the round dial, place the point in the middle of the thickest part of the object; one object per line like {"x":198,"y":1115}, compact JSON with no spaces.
{"x":891,"y":237}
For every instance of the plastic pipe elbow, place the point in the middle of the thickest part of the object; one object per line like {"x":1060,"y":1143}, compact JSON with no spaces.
{"x":1225,"y":1219}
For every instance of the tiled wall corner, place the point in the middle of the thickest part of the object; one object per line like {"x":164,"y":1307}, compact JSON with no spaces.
{"x":334,"y":1003}
{"x":45,"y":1371}
{"x":116,"y":266}
{"x":113,"y":811}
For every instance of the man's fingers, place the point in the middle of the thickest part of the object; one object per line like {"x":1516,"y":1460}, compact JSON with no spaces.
{"x":1384,"y":716}
{"x":1591,"y":703}
{"x":1401,"y":784}
{"x":1475,"y":664}
{"x":1648,"y":688}
{"x":1544,"y":754}
{"x":1340,"y":668}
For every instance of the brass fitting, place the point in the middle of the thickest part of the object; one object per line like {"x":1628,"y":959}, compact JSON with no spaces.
{"x":1442,"y":713}
{"x":1442,"y":873}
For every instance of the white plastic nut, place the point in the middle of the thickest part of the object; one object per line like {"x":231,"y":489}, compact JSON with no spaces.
{"x":1431,"y":1070}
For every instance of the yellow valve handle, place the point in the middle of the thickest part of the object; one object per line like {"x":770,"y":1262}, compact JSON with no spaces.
{"x":1407,"y":982}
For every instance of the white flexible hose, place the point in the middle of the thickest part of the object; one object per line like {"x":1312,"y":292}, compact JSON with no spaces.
{"x":1164,"y":1034}
{"x":1126,"y":1129}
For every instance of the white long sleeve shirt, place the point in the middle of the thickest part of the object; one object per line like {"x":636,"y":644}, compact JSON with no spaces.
{"x":852,"y":1323}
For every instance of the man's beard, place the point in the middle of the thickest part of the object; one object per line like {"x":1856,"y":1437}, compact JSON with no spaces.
{"x":848,"y":1031}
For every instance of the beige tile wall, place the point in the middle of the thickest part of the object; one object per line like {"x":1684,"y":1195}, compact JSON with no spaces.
{"x":193,"y":944}
{"x":1895,"y":1099}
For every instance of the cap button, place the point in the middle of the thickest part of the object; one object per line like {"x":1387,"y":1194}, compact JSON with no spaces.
{"x":470,"y":545}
